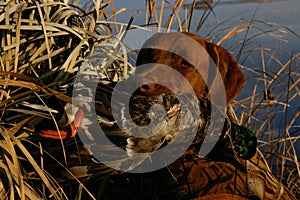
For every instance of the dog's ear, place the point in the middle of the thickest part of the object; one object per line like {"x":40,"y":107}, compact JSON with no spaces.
{"x":234,"y":79}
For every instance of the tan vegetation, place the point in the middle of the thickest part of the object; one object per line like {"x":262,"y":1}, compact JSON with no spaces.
{"x":42,"y":46}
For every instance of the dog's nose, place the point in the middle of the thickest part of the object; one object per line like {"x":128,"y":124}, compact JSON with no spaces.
{"x":147,"y":88}
{"x":146,"y":84}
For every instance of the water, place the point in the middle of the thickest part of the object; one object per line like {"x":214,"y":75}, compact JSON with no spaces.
{"x":285,"y":13}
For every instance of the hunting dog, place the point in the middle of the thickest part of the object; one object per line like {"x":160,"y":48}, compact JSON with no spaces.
{"x":177,"y":50}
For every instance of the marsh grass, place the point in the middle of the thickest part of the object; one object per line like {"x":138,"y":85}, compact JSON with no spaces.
{"x":30,"y":61}
{"x":42,"y":45}
{"x":275,"y":119}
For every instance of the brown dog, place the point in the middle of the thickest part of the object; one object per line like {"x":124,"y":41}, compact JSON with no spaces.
{"x":179,"y":51}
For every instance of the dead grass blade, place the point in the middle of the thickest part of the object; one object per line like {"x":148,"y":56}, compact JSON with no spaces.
{"x":239,"y":28}
{"x":208,"y":10}
{"x":6,"y":134}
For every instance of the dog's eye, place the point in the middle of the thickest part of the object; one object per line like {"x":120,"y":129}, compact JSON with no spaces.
{"x":185,"y":63}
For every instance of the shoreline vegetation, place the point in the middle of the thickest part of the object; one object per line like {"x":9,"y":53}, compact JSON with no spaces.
{"x":43,"y":44}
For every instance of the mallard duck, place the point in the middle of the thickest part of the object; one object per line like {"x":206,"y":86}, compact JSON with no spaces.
{"x":239,"y":140}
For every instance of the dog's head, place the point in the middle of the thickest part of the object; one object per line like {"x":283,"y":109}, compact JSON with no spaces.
{"x":188,"y":54}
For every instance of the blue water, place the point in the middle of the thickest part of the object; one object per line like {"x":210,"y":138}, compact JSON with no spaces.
{"x":285,"y":13}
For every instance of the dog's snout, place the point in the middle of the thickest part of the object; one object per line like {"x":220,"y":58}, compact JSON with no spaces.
{"x":147,"y":88}
{"x":146,"y":84}
{"x":151,"y":86}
